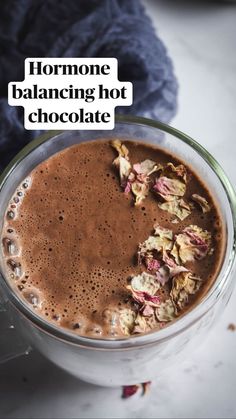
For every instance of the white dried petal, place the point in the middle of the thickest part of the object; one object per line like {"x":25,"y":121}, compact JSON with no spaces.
{"x":146,"y":283}
{"x":166,"y":311}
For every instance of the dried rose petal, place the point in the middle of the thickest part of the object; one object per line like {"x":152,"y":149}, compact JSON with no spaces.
{"x":165,"y":312}
{"x":129,"y":391}
{"x":145,"y":282}
{"x":127,"y":320}
{"x":177,"y":207}
{"x":139,"y":179}
{"x":193,"y":243}
{"x":152,"y":300}
{"x":147,"y":311}
{"x":154,"y":243}
{"x":174,"y":269}
{"x":120,"y":148}
{"x":179,"y":171}
{"x":143,"y":298}
{"x":140,"y":190}
{"x":124,"y":169}
{"x":122,"y":161}
{"x":146,"y":167}
{"x":137,"y":168}
{"x":168,"y":270}
{"x":162,"y":232}
{"x":143,"y":288}
{"x":184,"y":284}
{"x":231,"y":327}
{"x":127,"y":189}
{"x":177,"y":270}
{"x":142,"y":178}
{"x":175,"y":253}
{"x":146,"y":387}
{"x":133,"y":179}
{"x":197,"y":235}
{"x":168,"y":260}
{"x":202,"y":202}
{"x":163,"y":275}
{"x":152,"y":264}
{"x":140,"y":324}
{"x":169,"y":188}
{"x":162,"y":240}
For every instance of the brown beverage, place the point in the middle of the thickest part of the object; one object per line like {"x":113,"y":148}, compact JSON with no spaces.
{"x":111,"y":239}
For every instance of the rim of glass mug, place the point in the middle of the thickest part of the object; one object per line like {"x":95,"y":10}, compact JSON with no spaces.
{"x":180,"y":324}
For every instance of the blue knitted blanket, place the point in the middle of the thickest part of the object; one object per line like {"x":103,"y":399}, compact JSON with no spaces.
{"x":83,"y":28}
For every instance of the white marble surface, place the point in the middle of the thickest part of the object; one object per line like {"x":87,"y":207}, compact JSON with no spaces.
{"x":201,"y":39}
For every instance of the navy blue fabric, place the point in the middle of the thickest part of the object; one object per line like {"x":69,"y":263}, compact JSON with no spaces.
{"x":83,"y":28}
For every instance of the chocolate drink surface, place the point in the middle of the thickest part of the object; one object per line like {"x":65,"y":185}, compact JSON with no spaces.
{"x":111,"y":239}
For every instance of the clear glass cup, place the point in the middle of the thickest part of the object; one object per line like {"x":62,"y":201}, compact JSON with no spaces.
{"x":138,"y":358}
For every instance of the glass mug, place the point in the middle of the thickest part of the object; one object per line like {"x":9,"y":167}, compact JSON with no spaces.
{"x":138,"y":358}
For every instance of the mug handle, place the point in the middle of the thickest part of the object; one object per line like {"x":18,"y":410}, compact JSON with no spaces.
{"x":12,"y":344}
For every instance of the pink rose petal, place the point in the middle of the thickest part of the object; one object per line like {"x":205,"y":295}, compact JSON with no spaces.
{"x":167,"y":188}
{"x":127,"y":188}
{"x":163,"y":275}
{"x":153,"y":264}
{"x":129,"y":391}
{"x":147,"y":311}
{"x":168,"y":261}
{"x":143,"y":297}
{"x":137,"y":168}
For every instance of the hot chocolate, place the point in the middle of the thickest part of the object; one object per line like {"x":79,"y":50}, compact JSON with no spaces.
{"x":110,"y":239}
